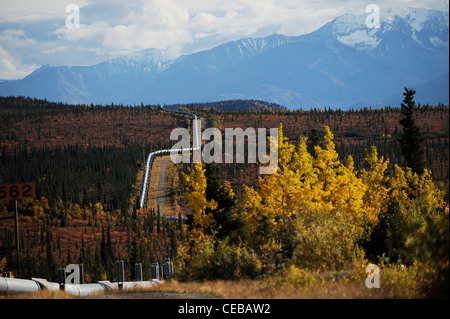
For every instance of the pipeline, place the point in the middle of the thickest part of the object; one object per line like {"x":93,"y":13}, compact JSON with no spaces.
{"x":153,"y":154}
{"x":17,"y":286}
{"x":14,"y":285}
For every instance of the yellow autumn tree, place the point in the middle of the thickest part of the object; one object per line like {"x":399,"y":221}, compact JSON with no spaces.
{"x":319,"y":199}
{"x":2,"y":264}
{"x":269,"y":209}
{"x":416,"y":205}
{"x":196,"y":197}
{"x":285,"y":150}
{"x":376,"y":197}
{"x":417,"y":228}
{"x":333,"y":218}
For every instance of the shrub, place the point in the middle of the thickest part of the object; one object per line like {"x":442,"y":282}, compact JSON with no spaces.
{"x":212,"y":259}
{"x":270,"y":255}
{"x":326,"y":241}
{"x":418,"y":221}
{"x":297,"y":278}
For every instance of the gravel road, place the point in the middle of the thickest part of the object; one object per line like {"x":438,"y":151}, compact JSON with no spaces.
{"x":161,"y":195}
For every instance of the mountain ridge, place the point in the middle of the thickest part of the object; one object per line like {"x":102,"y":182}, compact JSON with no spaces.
{"x":341,"y":64}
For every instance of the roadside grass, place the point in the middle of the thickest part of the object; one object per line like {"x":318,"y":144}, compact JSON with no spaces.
{"x":396,"y":282}
{"x":40,"y":294}
{"x":313,"y":287}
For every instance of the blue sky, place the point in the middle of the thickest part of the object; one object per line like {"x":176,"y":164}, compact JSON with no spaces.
{"x":33,"y":33}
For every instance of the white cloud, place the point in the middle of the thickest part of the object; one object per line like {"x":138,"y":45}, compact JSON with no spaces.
{"x":32,"y":10}
{"x":159,"y":24}
{"x":94,"y":31}
{"x":56,"y":50}
{"x":114,"y":27}
{"x":11,"y":68}
{"x":16,"y":37}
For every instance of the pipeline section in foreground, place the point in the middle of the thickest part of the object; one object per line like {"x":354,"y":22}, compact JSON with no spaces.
{"x":16,"y":286}
{"x":70,"y":280}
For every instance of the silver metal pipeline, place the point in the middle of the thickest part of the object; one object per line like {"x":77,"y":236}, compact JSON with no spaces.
{"x":17,"y":286}
{"x":14,"y":285}
{"x":150,"y":157}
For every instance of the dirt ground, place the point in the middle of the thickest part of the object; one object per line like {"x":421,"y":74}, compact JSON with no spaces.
{"x":154,"y":295}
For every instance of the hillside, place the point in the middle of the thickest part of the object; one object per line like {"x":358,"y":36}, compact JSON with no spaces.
{"x":87,"y":164}
{"x":354,"y":132}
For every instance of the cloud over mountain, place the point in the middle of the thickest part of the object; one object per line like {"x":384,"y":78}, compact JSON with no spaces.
{"x":344,"y":63}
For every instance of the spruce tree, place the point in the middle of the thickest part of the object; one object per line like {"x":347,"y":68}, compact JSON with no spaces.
{"x":412,"y":142}
{"x":227,"y":223}
{"x":313,"y":140}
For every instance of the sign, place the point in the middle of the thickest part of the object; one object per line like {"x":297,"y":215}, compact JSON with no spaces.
{"x":17,"y":191}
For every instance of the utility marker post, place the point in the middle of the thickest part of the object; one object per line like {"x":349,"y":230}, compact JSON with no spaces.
{"x":16,"y":192}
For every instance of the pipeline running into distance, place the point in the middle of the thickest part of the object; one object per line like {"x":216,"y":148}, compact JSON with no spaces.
{"x":151,"y":156}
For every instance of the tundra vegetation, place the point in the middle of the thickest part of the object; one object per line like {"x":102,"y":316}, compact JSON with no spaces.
{"x":344,"y":195}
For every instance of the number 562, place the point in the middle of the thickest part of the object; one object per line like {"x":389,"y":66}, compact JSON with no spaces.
{"x":17,"y":191}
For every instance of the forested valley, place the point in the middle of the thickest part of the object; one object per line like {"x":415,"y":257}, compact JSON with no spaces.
{"x":87,"y":164}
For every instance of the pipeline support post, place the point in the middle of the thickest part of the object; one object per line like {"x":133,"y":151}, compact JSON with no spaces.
{"x":168,"y":267}
{"x":138,"y":272}
{"x":120,"y":274}
{"x":161,"y":271}
{"x":62,"y":278}
{"x":154,"y":271}
{"x":81,"y":270}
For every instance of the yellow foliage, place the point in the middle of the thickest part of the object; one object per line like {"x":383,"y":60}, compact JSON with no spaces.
{"x":284,"y":149}
{"x":376,"y":197}
{"x":228,"y":188}
{"x":318,"y":194}
{"x":2,"y":264}
{"x":407,"y":186}
{"x":98,"y":208}
{"x":331,"y":208}
{"x":308,"y":184}
{"x":76,"y":212}
{"x":38,"y":211}
{"x":196,"y":181}
{"x":420,"y":214}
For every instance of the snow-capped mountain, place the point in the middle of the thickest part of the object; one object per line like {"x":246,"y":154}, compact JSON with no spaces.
{"x":428,"y":28}
{"x":229,"y":54}
{"x":414,"y":42}
{"x":342,"y":64}
{"x":150,"y":61}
